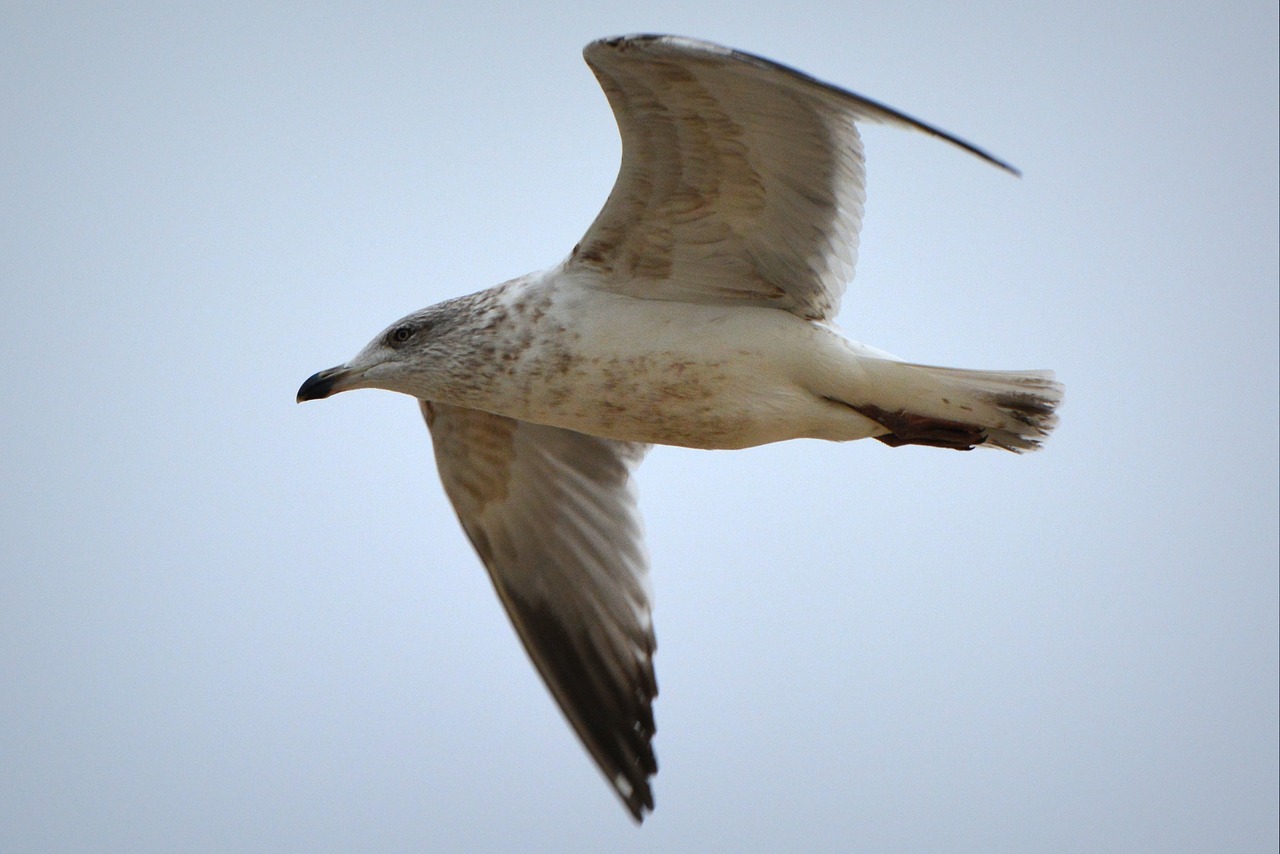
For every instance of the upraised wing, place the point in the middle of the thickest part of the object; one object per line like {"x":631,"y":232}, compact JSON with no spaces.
{"x":741,"y":179}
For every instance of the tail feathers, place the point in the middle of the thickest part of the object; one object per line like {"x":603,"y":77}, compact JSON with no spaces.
{"x":955,"y":408}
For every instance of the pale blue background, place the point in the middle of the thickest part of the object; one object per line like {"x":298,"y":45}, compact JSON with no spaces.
{"x":230,"y":623}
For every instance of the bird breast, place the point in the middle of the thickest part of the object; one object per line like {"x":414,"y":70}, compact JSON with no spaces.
{"x":637,"y":370}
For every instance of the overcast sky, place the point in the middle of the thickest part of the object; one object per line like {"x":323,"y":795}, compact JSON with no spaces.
{"x":230,"y":623}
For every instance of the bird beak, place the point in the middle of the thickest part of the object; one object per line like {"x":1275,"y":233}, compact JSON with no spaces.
{"x":326,"y":383}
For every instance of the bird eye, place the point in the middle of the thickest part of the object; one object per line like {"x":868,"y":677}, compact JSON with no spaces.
{"x":402,"y":333}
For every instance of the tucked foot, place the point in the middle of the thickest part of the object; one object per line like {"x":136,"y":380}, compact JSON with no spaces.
{"x":908,"y":429}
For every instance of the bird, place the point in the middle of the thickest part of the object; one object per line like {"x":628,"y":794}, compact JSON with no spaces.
{"x":697,"y":311}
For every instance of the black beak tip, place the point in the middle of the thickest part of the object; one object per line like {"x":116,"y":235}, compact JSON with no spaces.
{"x":319,"y":385}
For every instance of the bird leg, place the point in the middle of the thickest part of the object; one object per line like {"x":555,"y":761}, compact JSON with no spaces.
{"x":909,"y":429}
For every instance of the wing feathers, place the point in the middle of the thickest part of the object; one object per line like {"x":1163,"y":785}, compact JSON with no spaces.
{"x":553,"y":516}
{"x":741,"y":179}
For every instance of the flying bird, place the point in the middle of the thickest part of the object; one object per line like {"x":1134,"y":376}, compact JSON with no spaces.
{"x":695,"y":311}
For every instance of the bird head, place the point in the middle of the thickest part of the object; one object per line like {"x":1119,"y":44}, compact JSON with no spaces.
{"x":401,"y":358}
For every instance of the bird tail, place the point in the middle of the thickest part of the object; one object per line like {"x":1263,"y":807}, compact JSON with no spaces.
{"x":960,"y":409}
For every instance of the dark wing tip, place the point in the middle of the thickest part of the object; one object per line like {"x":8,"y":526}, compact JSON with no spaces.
{"x":639,"y":802}
{"x":935,"y":132}
{"x":691,"y":46}
{"x":612,"y":716}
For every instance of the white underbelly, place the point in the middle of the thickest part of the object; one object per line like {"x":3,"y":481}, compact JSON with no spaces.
{"x":680,"y":374}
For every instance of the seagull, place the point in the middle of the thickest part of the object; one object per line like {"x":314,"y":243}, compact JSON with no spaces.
{"x":696,"y":311}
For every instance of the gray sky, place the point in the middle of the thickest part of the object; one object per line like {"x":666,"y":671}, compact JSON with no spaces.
{"x":228,"y":622}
